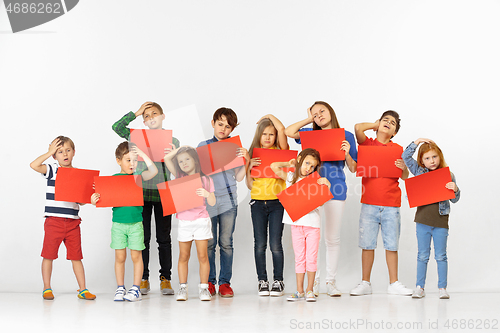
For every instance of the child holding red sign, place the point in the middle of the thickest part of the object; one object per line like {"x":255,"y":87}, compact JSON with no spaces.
{"x":266,"y":209}
{"x":306,"y":230}
{"x":431,"y":220}
{"x":194,"y":223}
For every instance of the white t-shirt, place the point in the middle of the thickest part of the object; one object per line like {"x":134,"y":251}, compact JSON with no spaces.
{"x":311,"y":219}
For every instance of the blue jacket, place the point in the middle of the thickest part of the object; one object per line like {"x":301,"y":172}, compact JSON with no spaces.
{"x":415,"y":169}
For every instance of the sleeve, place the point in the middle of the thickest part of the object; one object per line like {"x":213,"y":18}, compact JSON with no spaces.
{"x":353,"y":151}
{"x":51,"y":171}
{"x":120,"y":127}
{"x":176,"y":142}
{"x":457,"y":194}
{"x":410,"y":162}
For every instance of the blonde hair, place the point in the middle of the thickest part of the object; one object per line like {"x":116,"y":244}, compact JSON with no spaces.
{"x":263,"y":124}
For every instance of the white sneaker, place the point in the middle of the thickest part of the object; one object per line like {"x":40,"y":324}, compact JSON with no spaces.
{"x":296,"y":296}
{"x":182,"y":294}
{"x":443,"y":294}
{"x":331,"y":289}
{"x":364,"y":288}
{"x":397,"y":288}
{"x":119,"y":293}
{"x":204,"y":293}
{"x":418,"y":293}
{"x":310,"y":297}
{"x":316,"y":287}
{"x":133,"y":295}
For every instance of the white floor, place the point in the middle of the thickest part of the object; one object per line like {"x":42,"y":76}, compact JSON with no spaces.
{"x":466,"y":312}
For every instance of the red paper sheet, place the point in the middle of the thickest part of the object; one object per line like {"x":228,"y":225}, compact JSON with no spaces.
{"x":326,"y":142}
{"x":429,"y":188}
{"x":268,"y":156}
{"x":220,"y":156}
{"x":118,"y":191}
{"x":379,"y":161}
{"x":179,"y":194}
{"x":74,"y":185}
{"x":304,"y":196}
{"x":152,"y":142}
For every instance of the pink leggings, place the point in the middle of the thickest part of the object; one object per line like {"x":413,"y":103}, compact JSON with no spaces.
{"x":305,"y":242}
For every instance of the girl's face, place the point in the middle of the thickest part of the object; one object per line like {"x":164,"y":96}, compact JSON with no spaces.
{"x":308,"y":166}
{"x":431,"y":160}
{"x":186,"y":163}
{"x":268,"y":137}
{"x":321,"y":116}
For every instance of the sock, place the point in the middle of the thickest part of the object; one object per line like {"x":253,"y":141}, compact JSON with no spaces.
{"x":204,"y":285}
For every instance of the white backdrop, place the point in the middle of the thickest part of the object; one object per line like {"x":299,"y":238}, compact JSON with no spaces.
{"x":435,"y":62}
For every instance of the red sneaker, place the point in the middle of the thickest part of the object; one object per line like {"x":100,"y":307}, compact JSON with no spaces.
{"x":225,"y":290}
{"x":211,"y":288}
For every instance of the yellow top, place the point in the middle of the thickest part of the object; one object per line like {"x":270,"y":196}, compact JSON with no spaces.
{"x":267,"y":188}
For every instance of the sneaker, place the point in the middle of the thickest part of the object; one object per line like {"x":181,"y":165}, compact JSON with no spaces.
{"x":310,"y":297}
{"x":47,"y":294}
{"x":296,"y":296}
{"x":85,"y":294}
{"x":418,"y":293}
{"x":331,"y":289}
{"x":133,"y":295}
{"x":263,"y":288}
{"x":119,"y":293}
{"x":364,"y":288}
{"x":145,"y":287}
{"x":443,"y":294}
{"x":397,"y":288}
{"x":182,"y":294}
{"x":225,"y":290}
{"x":211,"y":288}
{"x":204,"y":293}
{"x":316,"y":287}
{"x":165,"y":286}
{"x":277,"y":289}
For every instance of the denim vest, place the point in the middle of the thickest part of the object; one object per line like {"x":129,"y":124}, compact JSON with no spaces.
{"x":415,"y":169}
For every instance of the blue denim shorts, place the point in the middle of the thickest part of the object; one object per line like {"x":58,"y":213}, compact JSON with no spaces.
{"x":388,"y":219}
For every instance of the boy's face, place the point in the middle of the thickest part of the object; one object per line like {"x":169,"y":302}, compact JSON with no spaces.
{"x":153,"y":118}
{"x":221,"y":128}
{"x":387,"y":126}
{"x":128,"y":163}
{"x":64,"y":155}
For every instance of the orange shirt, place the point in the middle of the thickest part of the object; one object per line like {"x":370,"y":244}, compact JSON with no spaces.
{"x":381,"y":191}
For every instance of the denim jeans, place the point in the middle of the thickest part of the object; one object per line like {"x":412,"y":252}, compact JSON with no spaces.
{"x":163,"y":226}
{"x":268,"y":214}
{"x":223,"y":225}
{"x":440,"y":238}
{"x":371,"y":219}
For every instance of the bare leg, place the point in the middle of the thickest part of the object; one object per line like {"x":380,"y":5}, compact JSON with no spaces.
{"x":201,"y":249}
{"x":138,"y":266}
{"x":392,"y":265}
{"x":300,"y":282}
{"x":79,"y":273}
{"x":310,"y":280}
{"x":46,"y":273}
{"x":120,"y":257}
{"x":367,"y":258}
{"x":182,"y":266}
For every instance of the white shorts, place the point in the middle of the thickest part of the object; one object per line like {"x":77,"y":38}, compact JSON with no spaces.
{"x":199,"y":229}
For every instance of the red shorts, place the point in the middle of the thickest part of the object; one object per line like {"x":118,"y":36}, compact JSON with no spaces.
{"x":60,"y":229}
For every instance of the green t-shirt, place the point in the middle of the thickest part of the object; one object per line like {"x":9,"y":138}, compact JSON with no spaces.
{"x":129,"y":214}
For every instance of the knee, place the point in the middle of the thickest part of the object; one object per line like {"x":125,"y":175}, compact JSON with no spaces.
{"x":332,"y":241}
{"x":441,"y":257}
{"x":423,"y":256}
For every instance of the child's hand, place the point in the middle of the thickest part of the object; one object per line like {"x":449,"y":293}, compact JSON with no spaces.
{"x":242,"y":152}
{"x":95,"y":198}
{"x":376,"y":125}
{"x":452,"y":186}
{"x":346,"y":146}
{"x":54,"y":146}
{"x":202,"y":192}
{"x":143,"y":108}
{"x":422,"y":140}
{"x":136,"y":151}
{"x":254,"y":162}
{"x":324,"y":181}
{"x":309,"y":115}
{"x":400,"y":164}
{"x":266,"y":116}
{"x":292,"y":163}
{"x":169,"y":150}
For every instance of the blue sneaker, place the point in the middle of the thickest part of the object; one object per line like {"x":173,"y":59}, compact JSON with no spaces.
{"x":133,"y":295}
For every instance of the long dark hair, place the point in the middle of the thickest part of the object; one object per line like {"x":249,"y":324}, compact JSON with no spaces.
{"x":333,"y":116}
{"x":300,"y":159}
